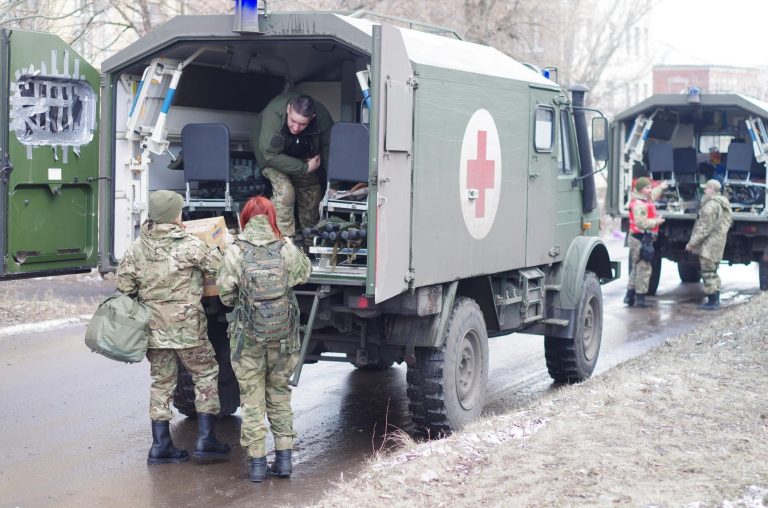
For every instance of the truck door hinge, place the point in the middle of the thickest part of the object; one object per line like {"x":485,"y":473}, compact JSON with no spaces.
{"x":410,"y":276}
{"x":413,"y":82}
{"x":5,"y":169}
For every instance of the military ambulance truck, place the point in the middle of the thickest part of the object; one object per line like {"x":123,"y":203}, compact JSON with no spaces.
{"x":460,"y":196}
{"x":687,"y":139}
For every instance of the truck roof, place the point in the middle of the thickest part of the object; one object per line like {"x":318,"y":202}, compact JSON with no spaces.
{"x":680,"y":101}
{"x":422,"y":47}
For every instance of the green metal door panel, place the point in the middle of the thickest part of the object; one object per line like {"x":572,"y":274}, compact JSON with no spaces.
{"x":67,"y":232}
{"x":392,"y":116}
{"x":470,"y":147}
{"x":49,"y":201}
{"x":569,"y":208}
{"x":541,"y":246}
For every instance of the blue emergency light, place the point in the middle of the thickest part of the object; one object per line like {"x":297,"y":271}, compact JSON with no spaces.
{"x":246,"y":16}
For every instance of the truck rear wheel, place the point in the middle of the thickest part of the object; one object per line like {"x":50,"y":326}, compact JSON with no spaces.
{"x":447,"y":385}
{"x":573,"y":360}
{"x":229,"y":392}
{"x":229,"y":389}
{"x":689,"y":271}
{"x":763,"y":272}
{"x":653,"y":283}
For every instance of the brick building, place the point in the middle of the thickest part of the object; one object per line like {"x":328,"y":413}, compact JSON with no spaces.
{"x":711,"y":79}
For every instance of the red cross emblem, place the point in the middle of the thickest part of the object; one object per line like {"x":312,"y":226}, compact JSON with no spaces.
{"x":480,"y":173}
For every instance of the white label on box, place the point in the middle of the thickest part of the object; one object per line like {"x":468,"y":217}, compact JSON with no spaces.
{"x":54,"y":173}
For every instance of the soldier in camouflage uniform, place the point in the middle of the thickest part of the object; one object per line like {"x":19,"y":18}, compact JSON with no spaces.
{"x":165,"y":268}
{"x":290,"y":143}
{"x":708,"y":239}
{"x":256,"y":277}
{"x":642,"y":219}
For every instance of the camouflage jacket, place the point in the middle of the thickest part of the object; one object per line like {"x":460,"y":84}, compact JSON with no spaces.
{"x":258,"y":232}
{"x":165,"y":267}
{"x":711,"y":228}
{"x":271,"y":136}
{"x":640,"y":211}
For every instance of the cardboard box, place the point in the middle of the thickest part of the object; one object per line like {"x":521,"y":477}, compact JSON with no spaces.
{"x":213,"y":231}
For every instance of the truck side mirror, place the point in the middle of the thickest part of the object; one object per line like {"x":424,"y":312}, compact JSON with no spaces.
{"x":600,"y":138}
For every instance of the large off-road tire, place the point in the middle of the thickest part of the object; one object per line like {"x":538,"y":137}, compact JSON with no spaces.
{"x":689,"y":271}
{"x":375,"y":367}
{"x":763,"y":273}
{"x":229,"y":392}
{"x":653,"y":283}
{"x":229,"y":389}
{"x":447,"y":385}
{"x":573,"y":360}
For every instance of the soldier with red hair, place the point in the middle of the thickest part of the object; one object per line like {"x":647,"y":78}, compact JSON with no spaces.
{"x":256,"y":277}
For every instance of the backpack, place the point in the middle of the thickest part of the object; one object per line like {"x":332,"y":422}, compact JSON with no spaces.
{"x":264,"y":310}
{"x":119,"y":329}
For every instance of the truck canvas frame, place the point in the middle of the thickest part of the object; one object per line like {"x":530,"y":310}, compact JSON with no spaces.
{"x":479,"y":216}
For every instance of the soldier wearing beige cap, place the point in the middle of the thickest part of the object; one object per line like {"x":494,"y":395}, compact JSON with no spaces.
{"x":708,"y":239}
{"x":164,"y":267}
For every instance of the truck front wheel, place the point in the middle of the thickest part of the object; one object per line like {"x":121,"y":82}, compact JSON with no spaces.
{"x":573,"y":360}
{"x":763,"y":273}
{"x":689,"y":271}
{"x":447,"y":385}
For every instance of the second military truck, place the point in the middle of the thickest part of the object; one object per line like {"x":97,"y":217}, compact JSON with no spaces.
{"x":687,"y":139}
{"x":460,"y":196}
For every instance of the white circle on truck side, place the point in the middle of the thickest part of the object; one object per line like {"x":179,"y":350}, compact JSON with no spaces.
{"x":480,"y":174}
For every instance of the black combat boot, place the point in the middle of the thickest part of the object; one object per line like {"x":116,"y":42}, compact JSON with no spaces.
{"x":712,"y":303}
{"x":629,"y":299}
{"x":259,"y":469}
{"x":640,"y":301}
{"x":282,"y":465}
{"x":163,"y":451}
{"x":207,"y":446}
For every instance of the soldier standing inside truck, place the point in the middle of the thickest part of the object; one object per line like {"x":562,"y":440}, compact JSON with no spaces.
{"x":290,"y":143}
{"x":642,"y":219}
{"x":165,"y":268}
{"x":708,"y":239}
{"x":256,"y":277}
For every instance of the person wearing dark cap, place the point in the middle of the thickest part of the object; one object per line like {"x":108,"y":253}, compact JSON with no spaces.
{"x":643,"y":219}
{"x":164,"y":268}
{"x":708,"y":239}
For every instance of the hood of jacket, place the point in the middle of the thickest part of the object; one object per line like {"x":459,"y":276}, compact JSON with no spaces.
{"x":157,"y":239}
{"x":258,"y":231}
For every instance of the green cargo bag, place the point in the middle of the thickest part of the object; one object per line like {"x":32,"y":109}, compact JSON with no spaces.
{"x":119,"y":329}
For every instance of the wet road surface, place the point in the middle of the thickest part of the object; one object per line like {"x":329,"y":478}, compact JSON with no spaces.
{"x":74,"y":428}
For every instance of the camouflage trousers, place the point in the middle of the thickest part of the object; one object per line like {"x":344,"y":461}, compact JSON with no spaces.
{"x":263,"y":373}
{"x":287,"y":190}
{"x":709,"y":275}
{"x":200,"y":361}
{"x":640,"y":275}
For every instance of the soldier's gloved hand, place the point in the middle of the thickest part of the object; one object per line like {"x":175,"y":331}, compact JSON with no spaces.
{"x":313,"y":164}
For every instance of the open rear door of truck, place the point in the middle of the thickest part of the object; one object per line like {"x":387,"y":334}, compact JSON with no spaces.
{"x":48,"y":157}
{"x":393,"y":117}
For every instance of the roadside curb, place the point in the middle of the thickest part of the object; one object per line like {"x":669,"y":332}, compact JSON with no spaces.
{"x":43,"y":326}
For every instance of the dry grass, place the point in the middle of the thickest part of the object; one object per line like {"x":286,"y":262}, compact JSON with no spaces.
{"x":684,"y":425}
{"x":23,"y":301}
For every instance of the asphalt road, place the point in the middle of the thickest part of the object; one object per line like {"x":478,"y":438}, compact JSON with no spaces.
{"x":74,"y":428}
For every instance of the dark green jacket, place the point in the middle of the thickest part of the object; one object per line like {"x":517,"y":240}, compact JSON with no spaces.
{"x":271,"y":138}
